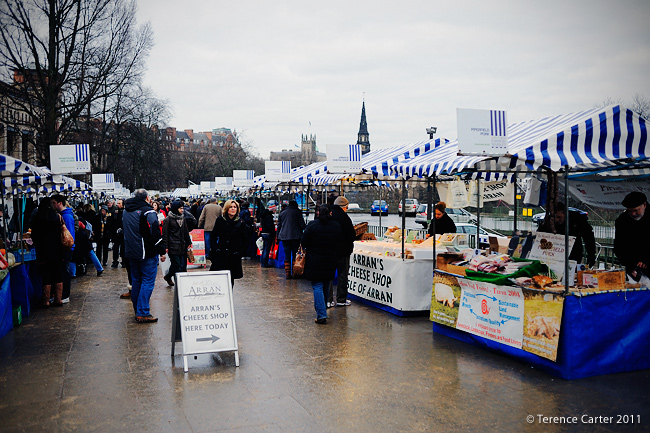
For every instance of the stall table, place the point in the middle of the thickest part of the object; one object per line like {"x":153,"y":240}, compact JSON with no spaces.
{"x":601,"y":333}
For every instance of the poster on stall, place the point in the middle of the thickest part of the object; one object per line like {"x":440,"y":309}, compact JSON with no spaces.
{"x":526,"y":319}
{"x":608,"y":194}
{"x":549,"y":249}
{"x":198,"y":247}
{"x":542,"y":320}
{"x":491,"y":311}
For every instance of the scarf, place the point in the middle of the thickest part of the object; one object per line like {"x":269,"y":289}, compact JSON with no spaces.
{"x":179,"y":218}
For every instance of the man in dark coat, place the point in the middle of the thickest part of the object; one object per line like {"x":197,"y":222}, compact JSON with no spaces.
{"x":268,"y":235}
{"x":290,"y":227}
{"x":348,"y":235}
{"x":117,"y":233}
{"x":632,"y":237}
{"x":142,"y":246}
{"x":321,"y":240}
{"x":443,"y":222}
{"x":579,"y":227}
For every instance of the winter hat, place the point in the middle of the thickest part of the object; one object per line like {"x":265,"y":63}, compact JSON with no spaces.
{"x":634,"y":199}
{"x":104,"y":207}
{"x":341,"y":201}
{"x":175,"y":206}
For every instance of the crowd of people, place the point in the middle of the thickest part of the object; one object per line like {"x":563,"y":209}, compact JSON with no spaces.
{"x":140,"y":232}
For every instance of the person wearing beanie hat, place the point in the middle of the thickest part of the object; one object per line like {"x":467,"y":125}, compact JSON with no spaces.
{"x":348,"y":235}
{"x":341,"y":201}
{"x":632,"y":237}
{"x":176,"y":238}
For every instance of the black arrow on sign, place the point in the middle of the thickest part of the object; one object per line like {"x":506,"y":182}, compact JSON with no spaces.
{"x":212,"y":339}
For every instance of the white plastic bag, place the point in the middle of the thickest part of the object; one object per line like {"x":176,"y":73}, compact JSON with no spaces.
{"x":260,"y":243}
{"x":165,"y":265}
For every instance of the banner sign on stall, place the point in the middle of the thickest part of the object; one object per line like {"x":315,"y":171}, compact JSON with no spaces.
{"x":198,"y":247}
{"x":482,"y":132}
{"x":206,"y":313}
{"x":344,"y":158}
{"x":104,"y":182}
{"x":243,"y":178}
{"x":277,"y":171}
{"x":608,"y":195}
{"x":518,"y":317}
{"x":223,"y":183}
{"x":491,"y":311}
{"x":207,"y":187}
{"x":392,"y":282}
{"x":70,"y":158}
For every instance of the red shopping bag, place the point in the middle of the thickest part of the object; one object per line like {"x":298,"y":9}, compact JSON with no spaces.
{"x":273,"y":254}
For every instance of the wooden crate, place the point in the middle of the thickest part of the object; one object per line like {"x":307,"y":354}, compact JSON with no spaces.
{"x":602,"y":280}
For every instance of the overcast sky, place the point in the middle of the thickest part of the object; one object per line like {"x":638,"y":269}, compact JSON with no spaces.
{"x":268,"y":69}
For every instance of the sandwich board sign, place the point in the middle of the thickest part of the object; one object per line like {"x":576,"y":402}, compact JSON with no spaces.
{"x":203,"y":308}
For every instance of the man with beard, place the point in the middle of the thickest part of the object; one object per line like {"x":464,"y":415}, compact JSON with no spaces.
{"x":632,"y":236}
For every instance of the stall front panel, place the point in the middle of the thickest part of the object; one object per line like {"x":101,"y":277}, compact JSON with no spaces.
{"x":402,"y":287}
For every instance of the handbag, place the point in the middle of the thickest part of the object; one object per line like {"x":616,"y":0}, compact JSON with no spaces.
{"x":66,"y":238}
{"x":190,"y":256}
{"x":299,"y":262}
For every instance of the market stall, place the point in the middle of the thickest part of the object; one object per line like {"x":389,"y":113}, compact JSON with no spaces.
{"x":590,"y":324}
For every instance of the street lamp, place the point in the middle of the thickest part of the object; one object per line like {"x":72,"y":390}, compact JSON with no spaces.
{"x":431,"y":131}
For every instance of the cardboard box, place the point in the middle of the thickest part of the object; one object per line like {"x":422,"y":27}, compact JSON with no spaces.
{"x":602,"y":280}
{"x":455,"y":269}
{"x":443,"y":259}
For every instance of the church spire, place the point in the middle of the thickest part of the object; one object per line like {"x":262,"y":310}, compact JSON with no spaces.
{"x":363,"y":136}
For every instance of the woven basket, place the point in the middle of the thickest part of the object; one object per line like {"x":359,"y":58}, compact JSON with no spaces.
{"x":368,"y":237}
{"x":360,"y":229}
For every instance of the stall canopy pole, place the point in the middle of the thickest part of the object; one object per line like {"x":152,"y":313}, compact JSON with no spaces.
{"x":380,"y":230}
{"x":4,"y":217}
{"x":403,"y":214}
{"x":566,"y":229}
{"x":514,"y":230}
{"x":433,"y":228}
{"x":429,"y":199}
{"x":478,"y":213}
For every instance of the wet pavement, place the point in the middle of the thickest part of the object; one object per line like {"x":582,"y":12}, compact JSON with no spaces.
{"x":89,"y":367}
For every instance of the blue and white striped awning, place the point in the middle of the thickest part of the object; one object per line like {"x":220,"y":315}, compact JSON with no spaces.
{"x":181,"y":192}
{"x":379,"y":162}
{"x":597,"y":139}
{"x":10,"y":166}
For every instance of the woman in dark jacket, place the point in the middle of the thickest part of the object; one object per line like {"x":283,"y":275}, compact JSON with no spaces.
{"x":322,"y":242}
{"x":46,"y":234}
{"x":176,"y":238}
{"x":228,"y":241}
{"x":444,"y":223}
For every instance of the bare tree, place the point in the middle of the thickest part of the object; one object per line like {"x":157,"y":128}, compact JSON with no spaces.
{"x":64,"y":55}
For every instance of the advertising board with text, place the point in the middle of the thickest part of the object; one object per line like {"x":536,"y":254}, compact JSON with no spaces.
{"x":482,"y":132}
{"x":277,"y":171}
{"x":104,"y":182}
{"x":518,"y":317}
{"x":344,"y":158}
{"x":70,"y":158}
{"x":206,"y":312}
{"x":243,"y":178}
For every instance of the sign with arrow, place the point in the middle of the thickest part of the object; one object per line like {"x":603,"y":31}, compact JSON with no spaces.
{"x":205,"y":313}
{"x":491,"y":311}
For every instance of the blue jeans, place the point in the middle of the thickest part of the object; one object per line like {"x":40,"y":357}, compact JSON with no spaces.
{"x":206,"y":235}
{"x":319,"y":298}
{"x":268,"y":243}
{"x":143,"y":274}
{"x":95,"y":260}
